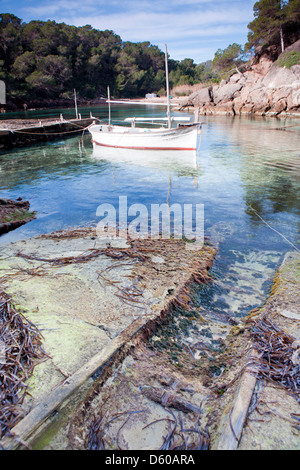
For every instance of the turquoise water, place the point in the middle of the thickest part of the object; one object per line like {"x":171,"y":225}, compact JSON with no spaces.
{"x":246,"y":173}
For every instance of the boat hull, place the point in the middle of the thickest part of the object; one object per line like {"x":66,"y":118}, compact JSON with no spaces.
{"x":180,"y":138}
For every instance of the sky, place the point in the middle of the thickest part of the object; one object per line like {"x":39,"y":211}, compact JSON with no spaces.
{"x":193,"y":29}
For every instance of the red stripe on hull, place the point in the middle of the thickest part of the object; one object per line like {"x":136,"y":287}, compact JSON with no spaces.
{"x":143,"y":148}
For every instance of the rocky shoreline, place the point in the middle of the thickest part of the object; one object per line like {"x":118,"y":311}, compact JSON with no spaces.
{"x":265,"y":89}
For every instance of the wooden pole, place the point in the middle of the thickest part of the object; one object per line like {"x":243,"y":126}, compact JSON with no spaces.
{"x":168,"y":89}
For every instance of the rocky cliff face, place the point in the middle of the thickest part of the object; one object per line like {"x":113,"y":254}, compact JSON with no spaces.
{"x":266,"y":89}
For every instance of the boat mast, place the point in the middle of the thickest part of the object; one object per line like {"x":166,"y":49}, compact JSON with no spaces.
{"x":168,"y":89}
{"x":75,"y":102}
{"x":108,"y":96}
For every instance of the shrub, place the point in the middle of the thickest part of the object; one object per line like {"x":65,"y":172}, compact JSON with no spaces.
{"x":288,"y":59}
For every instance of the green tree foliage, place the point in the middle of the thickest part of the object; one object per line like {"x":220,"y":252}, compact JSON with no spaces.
{"x":43,"y":61}
{"x":226,"y":59}
{"x":24,"y":65}
{"x":204,"y":72}
{"x":10,"y":38}
{"x":186,"y":72}
{"x":139,"y":69}
{"x":276,"y":23}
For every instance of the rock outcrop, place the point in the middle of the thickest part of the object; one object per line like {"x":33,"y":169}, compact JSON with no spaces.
{"x":13,"y":214}
{"x":266,"y":88}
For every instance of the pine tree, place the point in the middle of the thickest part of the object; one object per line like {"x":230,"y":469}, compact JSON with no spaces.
{"x":276,"y":23}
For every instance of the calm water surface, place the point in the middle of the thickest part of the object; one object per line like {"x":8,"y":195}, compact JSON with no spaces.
{"x":243,"y":164}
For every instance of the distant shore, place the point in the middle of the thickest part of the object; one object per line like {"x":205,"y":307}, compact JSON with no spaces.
{"x":17,"y":123}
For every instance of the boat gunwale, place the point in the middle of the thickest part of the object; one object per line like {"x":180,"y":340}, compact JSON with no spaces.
{"x":114,"y":129}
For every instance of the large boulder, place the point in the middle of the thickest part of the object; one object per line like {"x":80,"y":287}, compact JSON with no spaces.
{"x":260,"y":98}
{"x":225,"y":92}
{"x":252,"y":101}
{"x":278,"y":77}
{"x":225,"y":108}
{"x":201,"y":97}
{"x":263,"y":66}
{"x":293,"y":100}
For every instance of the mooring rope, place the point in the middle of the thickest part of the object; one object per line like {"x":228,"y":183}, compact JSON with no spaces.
{"x":272,"y":228}
{"x":261,"y":218}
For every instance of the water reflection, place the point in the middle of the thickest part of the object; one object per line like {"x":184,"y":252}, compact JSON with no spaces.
{"x":52,"y":160}
{"x":179,"y":162}
{"x":268,"y":162}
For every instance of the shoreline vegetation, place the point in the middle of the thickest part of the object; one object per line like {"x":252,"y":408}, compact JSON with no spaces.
{"x":43,"y":62}
{"x":263,"y":88}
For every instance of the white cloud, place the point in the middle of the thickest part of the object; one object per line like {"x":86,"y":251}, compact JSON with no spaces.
{"x":173,"y":22}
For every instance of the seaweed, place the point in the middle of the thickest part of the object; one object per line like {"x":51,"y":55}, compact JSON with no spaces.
{"x":279,"y":355}
{"x":21,"y":351}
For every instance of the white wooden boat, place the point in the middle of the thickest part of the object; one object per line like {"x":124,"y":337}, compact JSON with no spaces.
{"x":179,"y":138}
{"x":182,"y":137}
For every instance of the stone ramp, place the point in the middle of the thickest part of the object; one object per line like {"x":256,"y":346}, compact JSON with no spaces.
{"x":219,"y":401}
{"x":89,"y":296}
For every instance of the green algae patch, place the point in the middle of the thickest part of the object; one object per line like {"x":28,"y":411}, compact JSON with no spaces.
{"x":70,"y":343}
